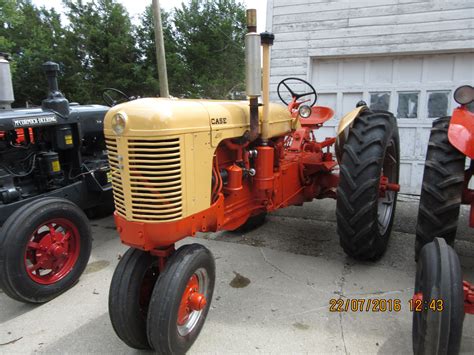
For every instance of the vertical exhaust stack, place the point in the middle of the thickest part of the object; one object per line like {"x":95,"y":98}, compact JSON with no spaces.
{"x":6,"y":85}
{"x":253,"y":75}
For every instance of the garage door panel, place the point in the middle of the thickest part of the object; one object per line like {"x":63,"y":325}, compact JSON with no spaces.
{"x":408,"y":70}
{"x":416,"y":88}
{"x":421,"y":143}
{"x":349,"y":101}
{"x":326,"y":73}
{"x":464,"y":68}
{"x":438,"y":69}
{"x":329,"y":100}
{"x":380,"y":71}
{"x":407,"y":137}
{"x":353,"y":72}
{"x":405,"y":174}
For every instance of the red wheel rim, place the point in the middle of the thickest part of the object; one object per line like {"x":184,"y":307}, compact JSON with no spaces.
{"x":52,"y":251}
{"x":192,"y":302}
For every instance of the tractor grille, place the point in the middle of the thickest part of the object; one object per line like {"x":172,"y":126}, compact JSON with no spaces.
{"x":154,"y":184}
{"x":116,"y":177}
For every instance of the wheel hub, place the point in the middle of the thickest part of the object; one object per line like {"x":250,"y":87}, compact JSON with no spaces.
{"x":388,"y":188}
{"x":192,"y":301}
{"x":52,"y":251}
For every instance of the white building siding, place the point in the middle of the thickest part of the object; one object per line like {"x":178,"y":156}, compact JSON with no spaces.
{"x":339,"y":45}
{"x":314,"y":28}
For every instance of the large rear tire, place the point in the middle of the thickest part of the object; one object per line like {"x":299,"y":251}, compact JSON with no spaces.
{"x":441,"y":191}
{"x":438,"y":304}
{"x":364,"y":216}
{"x":252,"y":223}
{"x":44,"y":248}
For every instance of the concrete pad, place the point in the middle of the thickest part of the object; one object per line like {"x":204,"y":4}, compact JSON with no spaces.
{"x":288,"y":271}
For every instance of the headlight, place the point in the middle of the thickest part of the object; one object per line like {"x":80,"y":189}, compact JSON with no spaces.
{"x":464,"y":94}
{"x":304,"y":111}
{"x":118,"y":123}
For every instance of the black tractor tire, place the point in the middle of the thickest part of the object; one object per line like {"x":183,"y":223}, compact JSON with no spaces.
{"x":441,"y":191}
{"x":252,"y":223}
{"x":438,"y":279}
{"x":16,"y":237}
{"x":164,"y":333}
{"x":372,"y":146}
{"x":129,"y":296}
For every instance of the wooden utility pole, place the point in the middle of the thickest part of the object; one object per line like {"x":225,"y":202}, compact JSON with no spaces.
{"x":160,"y":50}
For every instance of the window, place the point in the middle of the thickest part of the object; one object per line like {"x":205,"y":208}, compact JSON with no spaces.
{"x":379,"y":100}
{"x":407,"y":105}
{"x":438,"y":103}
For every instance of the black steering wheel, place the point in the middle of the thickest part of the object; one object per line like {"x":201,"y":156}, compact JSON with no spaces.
{"x":294,"y":95}
{"x":110,"y":101}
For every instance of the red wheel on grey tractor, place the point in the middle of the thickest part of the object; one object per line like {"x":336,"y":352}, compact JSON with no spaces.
{"x":181,"y":300}
{"x":44,"y":248}
{"x":129,"y":296}
{"x":438,"y":301}
{"x":370,"y":155}
{"x":441,"y":192}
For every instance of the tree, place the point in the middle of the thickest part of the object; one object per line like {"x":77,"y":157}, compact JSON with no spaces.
{"x":101,"y":34}
{"x":32,"y":36}
{"x":210,"y":38}
{"x":177,"y":73}
{"x":101,"y":48}
{"x":10,"y":17}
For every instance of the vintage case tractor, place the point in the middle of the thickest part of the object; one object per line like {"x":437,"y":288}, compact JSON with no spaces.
{"x":53,"y":165}
{"x":180,"y":167}
{"x":441,"y":296}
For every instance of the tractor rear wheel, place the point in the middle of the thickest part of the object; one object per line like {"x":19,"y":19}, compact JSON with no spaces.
{"x":44,"y":249}
{"x":438,"y":302}
{"x":252,"y":223}
{"x":129,"y":296}
{"x":441,"y":191}
{"x":181,"y":300}
{"x":364,"y":215}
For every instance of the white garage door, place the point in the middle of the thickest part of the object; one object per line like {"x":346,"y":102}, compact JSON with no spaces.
{"x":416,"y":89}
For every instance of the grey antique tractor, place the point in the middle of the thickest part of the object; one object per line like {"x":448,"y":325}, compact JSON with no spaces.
{"x":53,"y":167}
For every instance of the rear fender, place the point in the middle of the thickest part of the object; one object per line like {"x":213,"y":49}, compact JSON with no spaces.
{"x":343,"y":129}
{"x":461,"y":131}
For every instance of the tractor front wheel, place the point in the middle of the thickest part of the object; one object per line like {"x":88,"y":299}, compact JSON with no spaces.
{"x":129,"y":296}
{"x":181,"y":300}
{"x":364,"y":212}
{"x":438,"y":302}
{"x":44,"y":249}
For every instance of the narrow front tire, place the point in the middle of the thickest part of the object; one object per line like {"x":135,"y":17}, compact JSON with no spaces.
{"x":181,"y":300}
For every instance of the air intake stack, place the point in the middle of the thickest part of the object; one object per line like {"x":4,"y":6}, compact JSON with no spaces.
{"x":56,"y":101}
